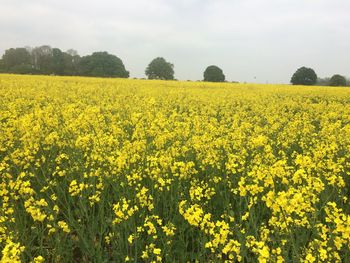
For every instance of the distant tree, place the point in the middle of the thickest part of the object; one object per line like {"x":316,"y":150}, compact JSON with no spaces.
{"x":2,"y":67}
{"x":47,"y":60}
{"x":71,"y":63}
{"x":24,"y":69}
{"x":42,"y":59}
{"x":159,"y":68}
{"x":102,"y":64}
{"x":57,"y":62}
{"x":213,"y":74}
{"x":304,"y":76}
{"x":337,"y":80}
{"x":16,"y":60}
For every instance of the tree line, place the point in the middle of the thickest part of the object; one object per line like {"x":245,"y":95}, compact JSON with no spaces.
{"x":307,"y":76}
{"x":52,"y":61}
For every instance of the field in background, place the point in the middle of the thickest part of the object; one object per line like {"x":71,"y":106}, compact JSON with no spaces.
{"x":100,"y":170}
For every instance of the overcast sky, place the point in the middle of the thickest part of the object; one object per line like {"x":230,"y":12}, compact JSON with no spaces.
{"x":251,"y":40}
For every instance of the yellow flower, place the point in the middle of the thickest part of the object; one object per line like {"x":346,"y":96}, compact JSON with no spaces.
{"x":38,"y":259}
{"x":11,"y":252}
{"x":310,"y":258}
{"x":157,"y":251}
{"x":130,"y":239}
{"x":64,"y":226}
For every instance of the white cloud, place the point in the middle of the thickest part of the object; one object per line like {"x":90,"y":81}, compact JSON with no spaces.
{"x":266,"y":39}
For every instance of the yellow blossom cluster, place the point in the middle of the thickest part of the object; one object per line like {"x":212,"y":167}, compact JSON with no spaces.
{"x":117,"y":170}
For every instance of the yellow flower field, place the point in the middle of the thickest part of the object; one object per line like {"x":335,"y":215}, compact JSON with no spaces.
{"x":112,"y":170}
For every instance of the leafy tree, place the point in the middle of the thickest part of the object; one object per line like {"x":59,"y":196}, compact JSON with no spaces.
{"x":42,"y":59}
{"x":71,"y":63}
{"x":102,"y":64}
{"x":304,"y":76}
{"x":2,"y":67}
{"x":337,"y":80}
{"x":15,"y":59}
{"x":24,"y":69}
{"x":47,"y":60}
{"x":57,"y":62}
{"x":213,"y":74}
{"x":159,"y":68}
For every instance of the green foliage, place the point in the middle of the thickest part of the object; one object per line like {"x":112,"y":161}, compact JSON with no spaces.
{"x":102,"y":64}
{"x":159,"y":68}
{"x":52,"y":61}
{"x":70,"y":63}
{"x":24,"y":69}
{"x":214,"y":74}
{"x":47,"y":60}
{"x":57,"y":65}
{"x":15,"y":58}
{"x":337,"y":80}
{"x":304,"y":76}
{"x":42,"y":59}
{"x":2,"y":66}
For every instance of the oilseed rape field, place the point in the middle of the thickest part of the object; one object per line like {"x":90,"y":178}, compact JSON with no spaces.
{"x":116,"y":170}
